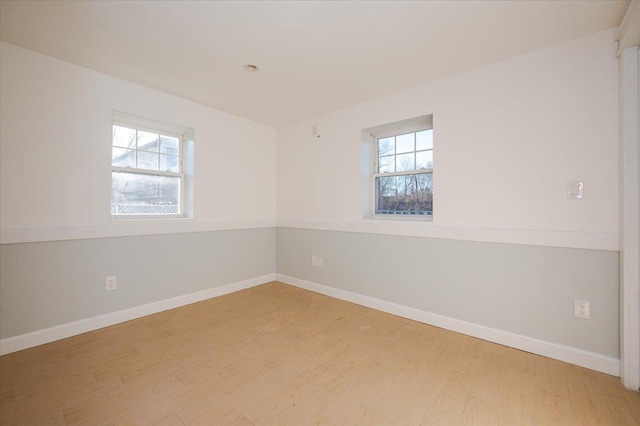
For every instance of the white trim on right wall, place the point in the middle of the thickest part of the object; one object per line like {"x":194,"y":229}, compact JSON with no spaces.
{"x":628,"y":38}
{"x":629,"y":63}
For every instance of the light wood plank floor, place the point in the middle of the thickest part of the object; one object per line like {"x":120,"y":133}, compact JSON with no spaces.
{"x":277,"y":354}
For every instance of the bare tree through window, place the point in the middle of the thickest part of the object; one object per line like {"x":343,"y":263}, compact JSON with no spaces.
{"x":404,"y":174}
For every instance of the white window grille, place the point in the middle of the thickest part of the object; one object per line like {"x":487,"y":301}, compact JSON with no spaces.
{"x":147,"y":168}
{"x":403,"y":170}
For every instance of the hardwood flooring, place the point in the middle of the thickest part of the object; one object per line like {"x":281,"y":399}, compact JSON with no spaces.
{"x":277,"y":354}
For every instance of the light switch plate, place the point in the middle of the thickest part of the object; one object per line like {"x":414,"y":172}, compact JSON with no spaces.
{"x":575,"y":190}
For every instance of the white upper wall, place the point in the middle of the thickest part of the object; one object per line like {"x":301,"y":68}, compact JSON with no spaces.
{"x":508,"y":137}
{"x":55,"y":145}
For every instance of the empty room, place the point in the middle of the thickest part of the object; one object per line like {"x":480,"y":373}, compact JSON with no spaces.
{"x":319,"y":212}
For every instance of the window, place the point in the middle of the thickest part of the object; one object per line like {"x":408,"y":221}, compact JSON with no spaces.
{"x":147,"y":172}
{"x":403,"y":170}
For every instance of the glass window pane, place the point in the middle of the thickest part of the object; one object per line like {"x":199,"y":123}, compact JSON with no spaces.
{"x":137,"y":194}
{"x":424,"y":140}
{"x":385,"y":187}
{"x":424,"y":193}
{"x":424,"y":159}
{"x":386,"y":164}
{"x":169,"y":145}
{"x":404,"y":143}
{"x":386,"y":146}
{"x":124,"y":137}
{"x":169,"y":163}
{"x":147,"y":160}
{"x":121,"y":157}
{"x":405,"y":162}
{"x":405,"y":195}
{"x":147,"y":141}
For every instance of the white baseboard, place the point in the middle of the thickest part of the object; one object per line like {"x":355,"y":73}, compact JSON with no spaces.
{"x":568,"y":354}
{"x":36,"y":338}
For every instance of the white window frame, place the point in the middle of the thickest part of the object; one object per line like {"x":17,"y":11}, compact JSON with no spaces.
{"x":385,"y":131}
{"x":183,"y":134}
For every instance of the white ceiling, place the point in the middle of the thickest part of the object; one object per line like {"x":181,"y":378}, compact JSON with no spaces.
{"x":314,"y":57}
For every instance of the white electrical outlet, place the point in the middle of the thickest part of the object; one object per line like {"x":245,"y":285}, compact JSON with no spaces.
{"x":110,"y":283}
{"x":314,"y":261}
{"x":320,"y":262}
{"x":582,"y":309}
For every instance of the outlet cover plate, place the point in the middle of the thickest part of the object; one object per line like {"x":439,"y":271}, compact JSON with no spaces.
{"x":110,"y":283}
{"x":582,"y":309}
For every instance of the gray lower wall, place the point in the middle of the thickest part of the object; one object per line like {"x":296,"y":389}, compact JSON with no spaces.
{"x":52,"y":283}
{"x":527,"y":290}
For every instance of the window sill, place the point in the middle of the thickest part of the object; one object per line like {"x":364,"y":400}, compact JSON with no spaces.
{"x":401,"y":218}
{"x":149,"y":219}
